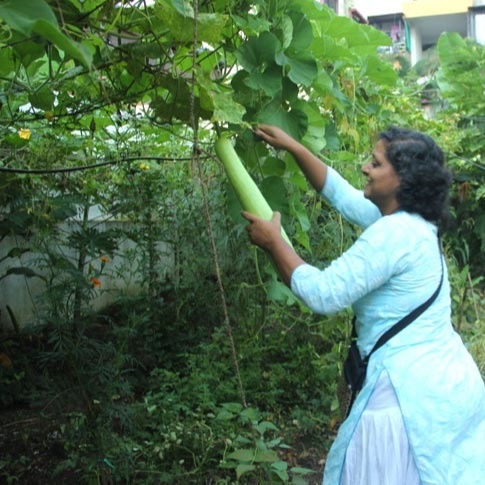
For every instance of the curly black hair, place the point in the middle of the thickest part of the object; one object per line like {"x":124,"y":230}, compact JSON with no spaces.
{"x":424,"y":180}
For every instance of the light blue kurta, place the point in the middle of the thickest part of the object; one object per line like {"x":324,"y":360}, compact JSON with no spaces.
{"x":392,"y":268}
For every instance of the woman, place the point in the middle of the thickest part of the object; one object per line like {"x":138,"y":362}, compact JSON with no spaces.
{"x":420,"y":416}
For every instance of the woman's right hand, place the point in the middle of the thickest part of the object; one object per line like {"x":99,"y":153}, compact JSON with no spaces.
{"x":267,"y":235}
{"x":275,"y":136}
{"x":314,"y":169}
{"x":261,"y":232}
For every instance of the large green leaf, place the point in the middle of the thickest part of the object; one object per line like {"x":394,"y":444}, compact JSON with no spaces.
{"x":294,"y":121}
{"x":226,"y":110}
{"x":274,"y":191}
{"x":51,"y":32}
{"x":258,"y":52}
{"x":178,"y":17}
{"x":242,"y":93}
{"x":355,"y":34}
{"x":244,"y":454}
{"x":242,"y":469}
{"x":323,"y":81}
{"x":21,"y":15}
{"x":278,"y":291}
{"x":302,"y":32}
{"x":314,"y":138}
{"x":290,"y":92}
{"x":7,"y":63}
{"x":302,"y":67}
{"x":273,"y":166}
{"x":178,"y":104}
{"x":378,"y":71}
{"x":327,"y":49}
{"x":251,"y":24}
{"x":286,"y":31}
{"x":340,"y":28}
{"x":266,"y":456}
{"x":269,"y":80}
{"x":183,"y":7}
{"x":36,"y":17}
{"x":280,"y":468}
{"x":42,"y":99}
{"x":319,"y":14}
{"x":454,"y":53}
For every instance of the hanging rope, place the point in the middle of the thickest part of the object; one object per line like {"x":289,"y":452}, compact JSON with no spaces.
{"x":196,"y":159}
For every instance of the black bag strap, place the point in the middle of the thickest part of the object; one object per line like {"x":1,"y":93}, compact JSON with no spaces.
{"x":410,"y":317}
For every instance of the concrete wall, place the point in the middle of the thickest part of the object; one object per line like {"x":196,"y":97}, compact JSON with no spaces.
{"x":24,"y":295}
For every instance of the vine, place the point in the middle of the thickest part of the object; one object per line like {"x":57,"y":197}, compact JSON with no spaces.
{"x":196,"y":155}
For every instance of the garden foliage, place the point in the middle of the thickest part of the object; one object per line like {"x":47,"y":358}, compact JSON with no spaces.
{"x":210,"y":371}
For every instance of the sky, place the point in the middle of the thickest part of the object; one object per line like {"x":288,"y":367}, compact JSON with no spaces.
{"x":377,"y":7}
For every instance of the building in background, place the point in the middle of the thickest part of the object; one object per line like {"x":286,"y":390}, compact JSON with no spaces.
{"x":427,"y":19}
{"x":415,"y":25}
{"x":476,"y":22}
{"x":338,"y":6}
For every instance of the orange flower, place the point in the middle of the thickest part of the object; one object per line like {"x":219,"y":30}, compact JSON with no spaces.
{"x":5,"y":361}
{"x":104,"y":259}
{"x":96,"y":283}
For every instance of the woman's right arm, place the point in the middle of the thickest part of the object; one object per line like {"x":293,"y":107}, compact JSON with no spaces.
{"x":349,"y":201}
{"x":312,"y":167}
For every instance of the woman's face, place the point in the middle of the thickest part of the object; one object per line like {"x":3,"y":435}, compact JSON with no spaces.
{"x":382,"y":180}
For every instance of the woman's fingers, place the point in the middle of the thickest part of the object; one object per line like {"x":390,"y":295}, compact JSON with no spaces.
{"x":249,"y":216}
{"x":253,"y":218}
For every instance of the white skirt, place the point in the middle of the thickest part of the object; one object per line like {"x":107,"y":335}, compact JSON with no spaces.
{"x":379,"y":451}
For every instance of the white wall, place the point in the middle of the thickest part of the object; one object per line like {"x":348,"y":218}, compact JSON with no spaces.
{"x":120,"y":275}
{"x":479,"y":28}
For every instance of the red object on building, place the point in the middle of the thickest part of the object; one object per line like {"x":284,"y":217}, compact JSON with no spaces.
{"x":357,"y":16}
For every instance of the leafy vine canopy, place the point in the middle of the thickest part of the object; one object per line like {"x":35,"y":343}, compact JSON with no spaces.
{"x":231,"y":62}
